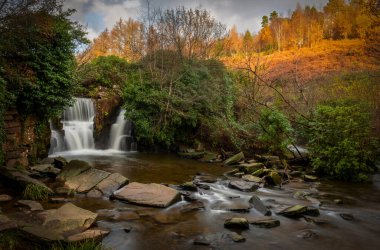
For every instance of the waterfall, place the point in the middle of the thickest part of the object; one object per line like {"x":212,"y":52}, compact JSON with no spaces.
{"x":121,"y":134}
{"x":78,"y":128}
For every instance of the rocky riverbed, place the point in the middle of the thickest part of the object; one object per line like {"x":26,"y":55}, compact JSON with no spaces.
{"x":137,"y":201}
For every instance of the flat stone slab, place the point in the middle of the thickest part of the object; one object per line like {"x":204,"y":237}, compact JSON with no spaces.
{"x":265,"y":222}
{"x":85,"y":181}
{"x":46,"y":169}
{"x":68,"y":218}
{"x":33,"y":205}
{"x":153,"y":194}
{"x":244,"y":186}
{"x":251,"y":178}
{"x":112,"y":183}
{"x":73,"y":168}
{"x":88,"y":234}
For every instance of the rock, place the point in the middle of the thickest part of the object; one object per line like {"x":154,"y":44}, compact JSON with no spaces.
{"x":307,"y":234}
{"x":259,"y":205}
{"x":33,"y":205}
{"x":338,"y":201}
{"x":72,"y":169}
{"x":202,"y":241}
{"x":127,"y":229}
{"x":94,"y":193}
{"x":239,"y":206}
{"x":112,"y":183}
{"x":197,"y":205}
{"x":293,"y":211}
{"x":251,"y":178}
{"x":265,"y":222}
{"x":68,"y":218}
{"x":237,"y":237}
{"x":237,"y":223}
{"x":232,"y":172}
{"x":189,"y":186}
{"x":188,"y":196}
{"x":85,"y":181}
{"x":5,"y":197}
{"x":64,"y":191}
{"x":313,"y":200}
{"x":316,"y":221}
{"x":346,"y":216}
{"x":6,"y":223}
{"x":206,"y":178}
{"x":239,"y":174}
{"x":249,"y":168}
{"x":261,"y":172}
{"x":127,"y":215}
{"x":203,"y":186}
{"x":47,"y":160}
{"x":234,"y":159}
{"x":46,"y":169}
{"x":310,"y":178}
{"x":59,"y":200}
{"x":148,"y":194}
{"x":312,"y":211}
{"x":295,"y":173}
{"x":243,"y":186}
{"x":210,"y":157}
{"x":88,"y":234}
{"x":192,"y":155}
{"x":59,"y":162}
{"x":22,"y":179}
{"x":273,"y":178}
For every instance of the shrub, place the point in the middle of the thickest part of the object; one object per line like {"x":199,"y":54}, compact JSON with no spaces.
{"x":340,"y":142}
{"x":90,"y":244}
{"x":35,"y":192}
{"x":275,"y":131}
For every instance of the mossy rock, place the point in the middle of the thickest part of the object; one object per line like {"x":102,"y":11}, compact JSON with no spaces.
{"x":234,"y":159}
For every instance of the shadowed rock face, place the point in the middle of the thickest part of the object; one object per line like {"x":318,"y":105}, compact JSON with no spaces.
{"x":155,"y":195}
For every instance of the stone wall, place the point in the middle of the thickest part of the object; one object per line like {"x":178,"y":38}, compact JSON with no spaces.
{"x":22,"y":142}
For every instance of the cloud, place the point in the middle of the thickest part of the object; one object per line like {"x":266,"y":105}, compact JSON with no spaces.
{"x":245,"y":14}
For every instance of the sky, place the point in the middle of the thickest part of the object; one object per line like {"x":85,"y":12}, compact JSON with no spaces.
{"x":96,"y":15}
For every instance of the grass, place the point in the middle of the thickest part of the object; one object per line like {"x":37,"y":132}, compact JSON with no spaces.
{"x":91,"y":244}
{"x":35,"y":192}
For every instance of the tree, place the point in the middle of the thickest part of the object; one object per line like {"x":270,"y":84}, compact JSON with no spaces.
{"x":265,"y":21}
{"x":37,"y":55}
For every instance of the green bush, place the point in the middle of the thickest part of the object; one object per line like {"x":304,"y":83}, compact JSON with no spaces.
{"x":35,"y":192}
{"x":274,"y":130}
{"x":340,"y":142}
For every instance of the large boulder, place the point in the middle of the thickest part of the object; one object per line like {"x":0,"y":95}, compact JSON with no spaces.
{"x":259,"y":205}
{"x":47,"y":169}
{"x":155,"y":195}
{"x":112,"y":183}
{"x":73,"y":168}
{"x":85,"y":181}
{"x":32,"y":205}
{"x":244,"y":186}
{"x":234,"y":159}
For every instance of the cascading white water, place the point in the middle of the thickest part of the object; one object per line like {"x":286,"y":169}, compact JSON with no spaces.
{"x":78,"y":128}
{"x":121,"y":134}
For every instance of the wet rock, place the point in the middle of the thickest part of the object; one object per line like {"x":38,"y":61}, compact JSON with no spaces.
{"x":273,"y":178}
{"x":239,"y":174}
{"x":148,"y":194}
{"x":111,"y":183}
{"x":249,"y":168}
{"x":202,"y":241}
{"x":293,"y":211}
{"x":261,"y":172}
{"x":59,"y":200}
{"x":5,"y":197}
{"x":94,"y":193}
{"x":32,"y":205}
{"x":127,"y":215}
{"x":234,"y":159}
{"x":312,"y":211}
{"x":251,"y":178}
{"x":295,"y":173}
{"x":346,"y":216}
{"x":243,"y":186}
{"x":259,"y":205}
{"x":206,"y":178}
{"x":188,"y":196}
{"x":338,"y":201}
{"x":88,"y":234}
{"x":237,"y":223}
{"x":316,"y":221}
{"x":189,"y":186}
{"x":87,"y":180}
{"x":72,"y":169}
{"x":59,"y":162}
{"x":307,"y":234}
{"x":236,"y":237}
{"x":203,"y":186}
{"x":265,"y":222}
{"x":47,"y":160}
{"x":127,"y":229}
{"x":232,"y":172}
{"x":192,"y":207}
{"x":68,"y":218}
{"x":64,"y":191}
{"x":310,"y":178}
{"x":46,"y":169}
{"x":313,"y":200}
